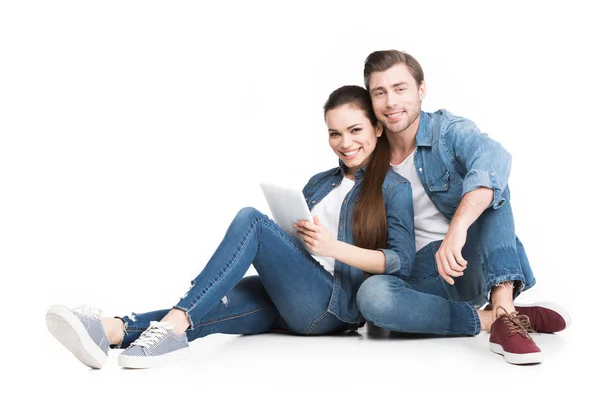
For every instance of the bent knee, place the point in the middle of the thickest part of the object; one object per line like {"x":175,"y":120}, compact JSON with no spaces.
{"x":249,"y":214}
{"x":375,"y":296}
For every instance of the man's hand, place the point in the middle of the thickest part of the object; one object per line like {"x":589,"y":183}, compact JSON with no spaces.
{"x":317,"y":238}
{"x":449,"y":259}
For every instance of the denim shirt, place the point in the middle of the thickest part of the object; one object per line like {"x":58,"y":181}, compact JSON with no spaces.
{"x":453,"y":158}
{"x":400,"y":248}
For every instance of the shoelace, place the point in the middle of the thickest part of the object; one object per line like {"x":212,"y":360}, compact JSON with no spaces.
{"x":526,"y":322}
{"x":516,"y":323}
{"x":153,"y":334}
{"x":88,"y":311}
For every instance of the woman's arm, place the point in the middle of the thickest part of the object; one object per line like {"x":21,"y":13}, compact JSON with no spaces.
{"x":396,"y":259}
{"x":319,"y":240}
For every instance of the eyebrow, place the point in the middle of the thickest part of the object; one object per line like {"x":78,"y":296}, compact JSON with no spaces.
{"x":395,"y":85}
{"x":348,"y":128}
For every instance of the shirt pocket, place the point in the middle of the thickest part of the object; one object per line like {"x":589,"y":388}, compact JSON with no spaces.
{"x":446,"y":192}
{"x":440,"y":184}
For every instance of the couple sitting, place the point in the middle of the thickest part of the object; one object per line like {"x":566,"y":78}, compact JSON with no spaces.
{"x":419,"y":246}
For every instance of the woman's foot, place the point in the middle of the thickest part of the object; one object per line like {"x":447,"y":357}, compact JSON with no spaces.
{"x":157,"y":346}
{"x":81,"y":331}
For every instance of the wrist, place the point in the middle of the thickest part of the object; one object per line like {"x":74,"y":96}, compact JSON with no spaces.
{"x":336,"y":249}
{"x":458,"y":225}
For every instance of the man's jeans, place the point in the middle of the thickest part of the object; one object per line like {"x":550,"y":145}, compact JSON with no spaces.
{"x":425,"y":303}
{"x":290,"y":293}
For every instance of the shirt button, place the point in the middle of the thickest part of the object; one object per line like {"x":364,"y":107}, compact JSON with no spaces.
{"x":420,"y":169}
{"x":333,"y":184}
{"x":493,"y":174}
{"x":313,"y":201}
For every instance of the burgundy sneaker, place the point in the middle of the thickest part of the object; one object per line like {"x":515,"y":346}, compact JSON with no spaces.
{"x":543,"y":317}
{"x":509,"y":337}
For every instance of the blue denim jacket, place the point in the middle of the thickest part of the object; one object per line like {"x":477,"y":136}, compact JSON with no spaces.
{"x":400,"y":248}
{"x":453,"y":158}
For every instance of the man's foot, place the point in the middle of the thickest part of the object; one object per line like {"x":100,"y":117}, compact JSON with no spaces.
{"x":80,"y":331}
{"x":509,"y":337}
{"x":157,"y":346}
{"x":543,"y":317}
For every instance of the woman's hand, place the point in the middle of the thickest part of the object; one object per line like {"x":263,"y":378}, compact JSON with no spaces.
{"x":317,"y":238}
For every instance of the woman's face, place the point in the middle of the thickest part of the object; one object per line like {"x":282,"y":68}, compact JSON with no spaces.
{"x":351,"y":135}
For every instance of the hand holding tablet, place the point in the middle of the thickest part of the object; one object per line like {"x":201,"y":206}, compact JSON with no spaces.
{"x":287,"y":207}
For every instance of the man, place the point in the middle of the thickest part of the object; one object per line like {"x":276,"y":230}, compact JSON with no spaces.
{"x":467,"y":250}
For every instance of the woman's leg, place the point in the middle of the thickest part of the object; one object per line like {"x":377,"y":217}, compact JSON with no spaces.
{"x":246,"y":309}
{"x":297,"y":284}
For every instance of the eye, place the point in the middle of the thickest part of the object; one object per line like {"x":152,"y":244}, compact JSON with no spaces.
{"x":333,"y":134}
{"x":356,"y":130}
{"x":378,"y":93}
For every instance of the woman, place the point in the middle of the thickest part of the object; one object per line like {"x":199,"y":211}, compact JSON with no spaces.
{"x":306,"y":290}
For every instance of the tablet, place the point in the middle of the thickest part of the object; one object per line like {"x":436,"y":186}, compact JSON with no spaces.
{"x":287,"y":207}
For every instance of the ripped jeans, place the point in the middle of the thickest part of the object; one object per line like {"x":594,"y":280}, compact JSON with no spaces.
{"x":291,"y":292}
{"x":426,"y":303}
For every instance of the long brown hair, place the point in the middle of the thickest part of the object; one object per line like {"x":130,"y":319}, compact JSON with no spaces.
{"x":369,"y":223}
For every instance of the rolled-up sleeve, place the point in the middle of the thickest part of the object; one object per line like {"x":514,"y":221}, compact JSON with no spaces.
{"x":485,"y":162}
{"x":400,"y":251}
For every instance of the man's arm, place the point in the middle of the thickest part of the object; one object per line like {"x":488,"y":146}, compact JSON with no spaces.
{"x":450,"y":261}
{"x":484,"y":161}
{"x":486,"y":165}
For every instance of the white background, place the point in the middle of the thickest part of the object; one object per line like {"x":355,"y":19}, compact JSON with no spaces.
{"x":133,"y":131}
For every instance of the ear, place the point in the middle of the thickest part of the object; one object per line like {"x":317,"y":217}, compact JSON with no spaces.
{"x":378,"y":129}
{"x":422,"y":91}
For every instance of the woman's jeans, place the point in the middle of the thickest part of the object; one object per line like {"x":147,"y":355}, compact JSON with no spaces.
{"x":425,"y":303}
{"x":290,"y":293}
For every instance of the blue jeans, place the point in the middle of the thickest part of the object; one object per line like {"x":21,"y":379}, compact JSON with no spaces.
{"x":290,"y":293}
{"x":425,"y":303}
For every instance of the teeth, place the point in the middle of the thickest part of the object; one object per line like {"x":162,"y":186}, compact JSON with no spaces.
{"x":395,"y":114}
{"x":351,"y":153}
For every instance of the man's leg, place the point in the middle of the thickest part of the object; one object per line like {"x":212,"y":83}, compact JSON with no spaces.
{"x":391,"y":303}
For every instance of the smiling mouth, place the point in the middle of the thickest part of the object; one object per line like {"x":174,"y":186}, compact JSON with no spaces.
{"x":395,"y":115}
{"x":350,"y":154}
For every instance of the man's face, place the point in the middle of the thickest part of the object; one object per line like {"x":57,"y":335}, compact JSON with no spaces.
{"x":396,"y":98}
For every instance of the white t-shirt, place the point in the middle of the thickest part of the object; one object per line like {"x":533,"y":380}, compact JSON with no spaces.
{"x":430,"y":223}
{"x":328,"y":210}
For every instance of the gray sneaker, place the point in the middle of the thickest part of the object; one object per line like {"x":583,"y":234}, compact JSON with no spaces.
{"x":80,"y":331}
{"x":158,"y":345}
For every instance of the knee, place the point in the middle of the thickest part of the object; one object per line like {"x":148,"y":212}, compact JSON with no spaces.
{"x":374,"y":296}
{"x":248,"y":214}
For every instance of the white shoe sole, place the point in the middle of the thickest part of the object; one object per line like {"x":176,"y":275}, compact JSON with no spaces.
{"x":513,"y":358}
{"x":68,"y":329}
{"x":126,"y":361}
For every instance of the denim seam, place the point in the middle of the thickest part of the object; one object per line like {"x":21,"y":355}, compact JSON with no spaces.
{"x":422,"y":280}
{"x":315,"y":322}
{"x":302,"y":251}
{"x":477,"y":323}
{"x":227,"y":268}
{"x":223,"y":273}
{"x":233,"y":316}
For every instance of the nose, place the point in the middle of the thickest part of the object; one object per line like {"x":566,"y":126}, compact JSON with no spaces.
{"x":346,"y":141}
{"x":391,"y":100}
